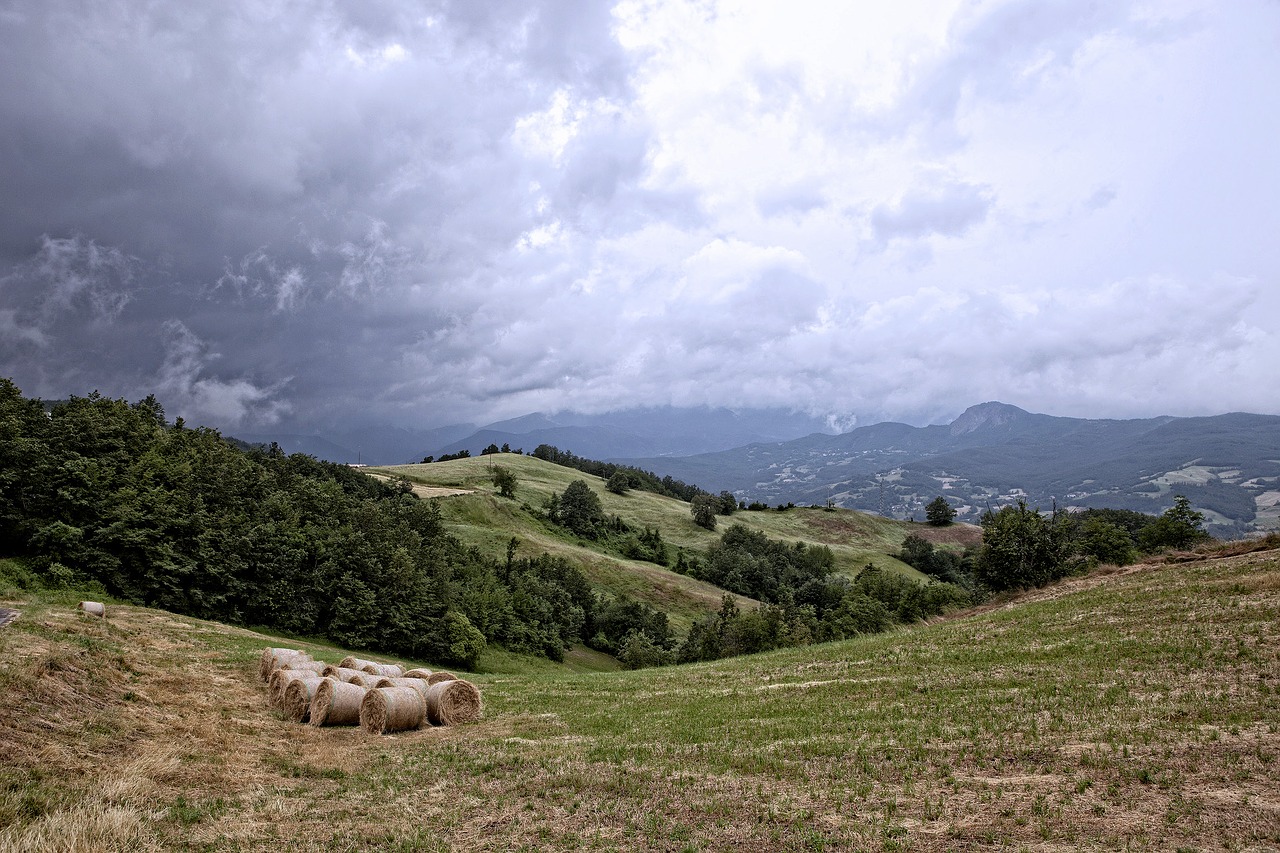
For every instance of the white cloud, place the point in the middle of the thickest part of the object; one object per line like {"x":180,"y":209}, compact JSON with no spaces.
{"x":862,"y":210}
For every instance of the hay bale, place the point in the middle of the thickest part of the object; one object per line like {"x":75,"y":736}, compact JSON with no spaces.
{"x":94,"y":608}
{"x":452,"y":702}
{"x":336,"y":703}
{"x":352,"y":662}
{"x":297,"y":698}
{"x":280,"y":680}
{"x":275,"y":658}
{"x":386,"y":670}
{"x":364,"y":679}
{"x":418,"y":684}
{"x":440,"y":675}
{"x":316,"y":666}
{"x":392,"y":709}
{"x":424,"y":674}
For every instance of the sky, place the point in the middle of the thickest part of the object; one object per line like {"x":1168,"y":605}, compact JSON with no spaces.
{"x":276,"y":214}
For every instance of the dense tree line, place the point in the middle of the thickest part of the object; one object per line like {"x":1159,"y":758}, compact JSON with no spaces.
{"x":99,"y":490}
{"x":1022,"y":547}
{"x":635,"y":478}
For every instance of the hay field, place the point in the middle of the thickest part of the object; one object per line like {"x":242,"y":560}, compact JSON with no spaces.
{"x":1135,"y":710}
{"x":482,"y":518}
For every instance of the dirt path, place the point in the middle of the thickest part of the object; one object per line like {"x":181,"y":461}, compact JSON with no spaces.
{"x":426,"y":491}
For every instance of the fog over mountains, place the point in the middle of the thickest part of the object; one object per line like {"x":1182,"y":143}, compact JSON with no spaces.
{"x":992,"y":454}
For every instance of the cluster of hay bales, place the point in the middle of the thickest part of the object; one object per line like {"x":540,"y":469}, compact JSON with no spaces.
{"x":380,"y":698}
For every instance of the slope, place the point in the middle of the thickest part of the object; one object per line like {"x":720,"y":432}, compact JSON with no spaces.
{"x":482,"y":518}
{"x":1134,"y":710}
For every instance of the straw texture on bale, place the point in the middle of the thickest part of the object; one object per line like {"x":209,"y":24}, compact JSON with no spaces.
{"x":452,"y":702}
{"x":336,"y":703}
{"x":418,"y":684}
{"x":392,"y":709}
{"x":297,"y":698}
{"x":94,"y":608}
{"x":424,"y":674}
{"x":440,"y":675}
{"x":341,"y":673}
{"x":279,"y":682}
{"x":353,"y":662}
{"x":273,"y":659}
{"x":364,"y":679}
{"x":316,"y":666}
{"x":386,"y":670}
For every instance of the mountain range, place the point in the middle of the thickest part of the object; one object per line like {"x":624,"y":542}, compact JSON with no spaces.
{"x":994,"y":454}
{"x":653,"y":431}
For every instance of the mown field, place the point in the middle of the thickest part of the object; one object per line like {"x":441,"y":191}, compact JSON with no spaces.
{"x":483,"y":518}
{"x":1132,"y":710}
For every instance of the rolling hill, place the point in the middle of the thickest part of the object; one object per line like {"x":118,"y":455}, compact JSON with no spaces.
{"x":1131,"y":710}
{"x":480,"y":517}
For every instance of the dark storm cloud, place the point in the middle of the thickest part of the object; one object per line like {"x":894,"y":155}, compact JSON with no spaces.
{"x":459,"y":211}
{"x":218,"y":193}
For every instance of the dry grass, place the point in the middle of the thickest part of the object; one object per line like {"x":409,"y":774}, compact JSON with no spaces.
{"x":1136,"y":709}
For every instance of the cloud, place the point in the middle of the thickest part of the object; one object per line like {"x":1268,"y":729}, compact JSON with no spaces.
{"x":948,"y":210}
{"x":188,"y":391}
{"x":460,"y":211}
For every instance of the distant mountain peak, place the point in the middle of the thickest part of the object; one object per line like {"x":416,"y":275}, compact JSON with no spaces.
{"x":986,"y":416}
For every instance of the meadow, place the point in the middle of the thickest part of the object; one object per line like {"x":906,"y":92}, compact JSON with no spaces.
{"x":1127,"y":709}
{"x":479,"y":516}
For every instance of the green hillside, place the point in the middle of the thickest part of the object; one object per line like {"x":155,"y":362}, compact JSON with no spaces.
{"x":1129,"y":710}
{"x":483,"y":518}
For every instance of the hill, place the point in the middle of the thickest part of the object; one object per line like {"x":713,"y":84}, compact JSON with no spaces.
{"x":480,"y":517}
{"x":1133,"y":710}
{"x":992,"y":454}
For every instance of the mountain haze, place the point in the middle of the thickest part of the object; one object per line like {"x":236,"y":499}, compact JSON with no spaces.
{"x":995,"y":453}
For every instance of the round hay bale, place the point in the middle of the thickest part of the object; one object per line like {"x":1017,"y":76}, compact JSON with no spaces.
{"x":94,"y":608}
{"x":418,"y":684}
{"x":273,"y":659}
{"x":279,"y":682}
{"x":341,"y":673}
{"x":387,"y":670}
{"x":424,"y":674}
{"x":364,"y":679}
{"x":452,"y":702}
{"x":440,"y":675}
{"x":316,"y":666}
{"x":297,"y":698}
{"x":392,"y":709}
{"x":353,"y":662}
{"x":336,"y":703}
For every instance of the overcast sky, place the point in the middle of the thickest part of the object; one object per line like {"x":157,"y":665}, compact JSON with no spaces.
{"x":301,"y":213}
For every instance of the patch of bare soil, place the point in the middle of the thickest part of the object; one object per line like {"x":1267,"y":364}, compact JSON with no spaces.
{"x":427,"y":492}
{"x":964,"y":535}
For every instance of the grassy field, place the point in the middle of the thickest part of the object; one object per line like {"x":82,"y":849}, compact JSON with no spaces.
{"x":1136,"y":709}
{"x":480,"y":517}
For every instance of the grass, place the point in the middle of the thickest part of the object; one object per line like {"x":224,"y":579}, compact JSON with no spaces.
{"x":1135,"y":709}
{"x":482,"y":518}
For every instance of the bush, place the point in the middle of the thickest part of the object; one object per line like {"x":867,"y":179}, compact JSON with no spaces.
{"x":1020,"y":549}
{"x":704,"y":509}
